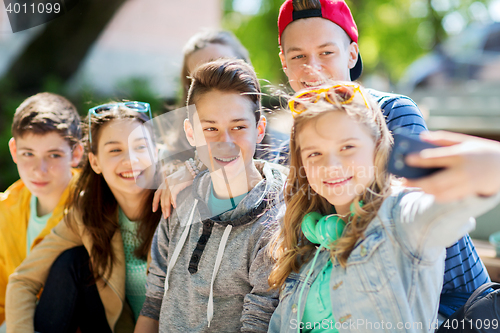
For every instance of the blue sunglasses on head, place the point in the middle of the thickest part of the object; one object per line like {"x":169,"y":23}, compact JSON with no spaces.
{"x":134,"y":106}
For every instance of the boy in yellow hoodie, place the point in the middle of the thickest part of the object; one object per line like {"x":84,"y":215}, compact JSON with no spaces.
{"x":45,"y":145}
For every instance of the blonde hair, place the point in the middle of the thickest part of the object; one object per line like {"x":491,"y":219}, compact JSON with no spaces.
{"x":290,"y":247}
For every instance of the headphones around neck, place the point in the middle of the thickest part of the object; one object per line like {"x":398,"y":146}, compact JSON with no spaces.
{"x":324,"y":230}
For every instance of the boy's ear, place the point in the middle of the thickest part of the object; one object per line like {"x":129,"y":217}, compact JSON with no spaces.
{"x":261,"y":129}
{"x":76,"y":155}
{"x":188,"y":129}
{"x":94,"y":164}
{"x":282,"y":58}
{"x":13,"y":149}
{"x":353,"y":50}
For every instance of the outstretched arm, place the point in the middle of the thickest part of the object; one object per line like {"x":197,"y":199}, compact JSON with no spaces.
{"x":471,"y":166}
{"x":425,"y":227}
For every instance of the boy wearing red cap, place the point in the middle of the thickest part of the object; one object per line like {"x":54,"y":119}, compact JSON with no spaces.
{"x":318,"y":42}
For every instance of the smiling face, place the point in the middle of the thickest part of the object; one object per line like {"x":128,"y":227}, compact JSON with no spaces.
{"x":315,"y":50}
{"x":337,"y":153}
{"x":124,"y":156}
{"x":44,"y":162}
{"x":225,"y":132}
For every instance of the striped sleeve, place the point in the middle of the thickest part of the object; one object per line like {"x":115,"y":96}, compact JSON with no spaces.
{"x":464,"y":270}
{"x":401,"y":112}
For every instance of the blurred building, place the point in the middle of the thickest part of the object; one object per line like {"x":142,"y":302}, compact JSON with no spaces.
{"x":457,"y":84}
{"x":473,"y":54}
{"x":143,"y":40}
{"x":457,"y":87}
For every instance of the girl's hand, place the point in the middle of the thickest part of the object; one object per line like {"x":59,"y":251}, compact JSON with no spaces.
{"x":472,"y":166}
{"x":166,"y":195}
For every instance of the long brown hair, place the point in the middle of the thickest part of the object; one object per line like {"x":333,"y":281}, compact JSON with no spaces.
{"x":290,"y":247}
{"x":93,"y":201}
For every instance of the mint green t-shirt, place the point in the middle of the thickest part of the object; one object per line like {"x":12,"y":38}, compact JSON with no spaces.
{"x":135,"y":268}
{"x":218,"y":206}
{"x":35,"y":224}
{"x":318,"y":315}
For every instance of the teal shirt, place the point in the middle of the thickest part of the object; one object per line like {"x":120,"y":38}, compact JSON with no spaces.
{"x":318,"y":308}
{"x":218,"y":206}
{"x":35,"y":224}
{"x":136,"y":269}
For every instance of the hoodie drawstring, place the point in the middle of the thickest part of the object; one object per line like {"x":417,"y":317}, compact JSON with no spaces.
{"x":220,"y":253}
{"x":218,"y":260}
{"x":179,"y":246}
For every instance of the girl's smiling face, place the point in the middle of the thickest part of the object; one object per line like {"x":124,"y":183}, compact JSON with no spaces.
{"x":337,"y":153}
{"x":124,"y":156}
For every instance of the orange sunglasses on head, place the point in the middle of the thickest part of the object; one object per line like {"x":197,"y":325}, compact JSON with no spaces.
{"x":339,"y":93}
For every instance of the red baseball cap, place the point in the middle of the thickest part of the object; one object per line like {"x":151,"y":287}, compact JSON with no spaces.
{"x":336,"y":11}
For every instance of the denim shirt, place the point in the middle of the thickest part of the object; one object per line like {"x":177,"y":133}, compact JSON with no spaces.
{"x":394,"y":275}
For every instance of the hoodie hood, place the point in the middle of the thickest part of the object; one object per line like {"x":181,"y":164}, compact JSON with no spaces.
{"x":264,"y":196}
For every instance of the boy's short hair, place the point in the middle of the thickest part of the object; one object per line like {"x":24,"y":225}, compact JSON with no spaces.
{"x":228,"y":75}
{"x":335,"y":11}
{"x":47,"y":112}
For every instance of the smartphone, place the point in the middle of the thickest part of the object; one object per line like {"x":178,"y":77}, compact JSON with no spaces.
{"x":404,"y":145}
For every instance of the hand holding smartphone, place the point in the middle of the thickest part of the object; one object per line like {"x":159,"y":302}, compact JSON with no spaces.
{"x":403,"y":146}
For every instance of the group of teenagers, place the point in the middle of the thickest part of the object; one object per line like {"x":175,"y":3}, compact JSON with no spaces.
{"x":324,"y":240}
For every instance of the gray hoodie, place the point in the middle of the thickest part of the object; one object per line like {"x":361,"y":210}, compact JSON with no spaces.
{"x":236,"y":240}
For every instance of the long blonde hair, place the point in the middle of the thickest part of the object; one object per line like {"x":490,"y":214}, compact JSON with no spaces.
{"x":290,"y":247}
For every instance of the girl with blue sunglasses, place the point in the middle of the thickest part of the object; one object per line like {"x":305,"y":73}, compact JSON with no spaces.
{"x":92,"y":267}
